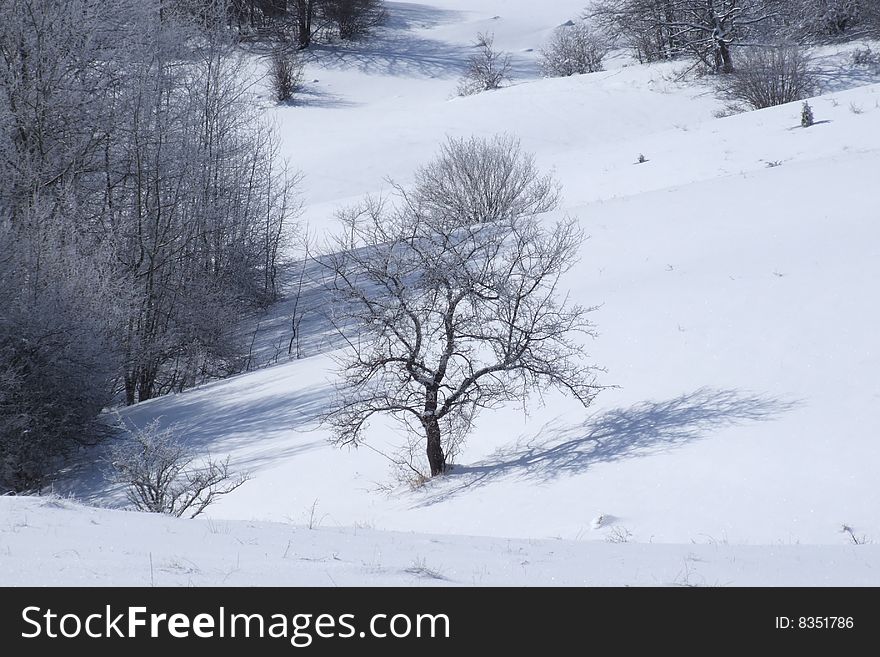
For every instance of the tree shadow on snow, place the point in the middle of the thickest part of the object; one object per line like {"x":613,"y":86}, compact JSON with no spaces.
{"x":836,"y":75}
{"x":212,"y":423}
{"x":396,"y":49}
{"x":410,"y":15}
{"x":297,"y":325}
{"x":395,"y":53}
{"x":646,"y":428}
{"x":309,"y":96}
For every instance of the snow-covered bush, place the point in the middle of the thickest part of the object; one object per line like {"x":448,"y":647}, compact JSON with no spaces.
{"x":573,"y":49}
{"x":487,"y":69}
{"x":161,"y":473}
{"x":286,"y":69}
{"x":865,"y":56}
{"x":769,"y":76}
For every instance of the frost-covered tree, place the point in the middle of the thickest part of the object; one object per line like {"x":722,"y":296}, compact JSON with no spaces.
{"x":58,"y":356}
{"x":474,"y":180}
{"x":443,"y":320}
{"x":826,"y":20}
{"x":573,"y":49}
{"x":139,"y":123}
{"x":661,"y":29}
{"x":130,"y":149}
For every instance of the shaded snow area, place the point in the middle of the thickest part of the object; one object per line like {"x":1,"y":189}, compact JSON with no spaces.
{"x":734,"y":273}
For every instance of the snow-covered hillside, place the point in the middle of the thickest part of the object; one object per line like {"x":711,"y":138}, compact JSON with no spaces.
{"x":735,"y":273}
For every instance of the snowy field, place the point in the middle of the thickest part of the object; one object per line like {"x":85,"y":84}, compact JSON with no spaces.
{"x":735,"y":273}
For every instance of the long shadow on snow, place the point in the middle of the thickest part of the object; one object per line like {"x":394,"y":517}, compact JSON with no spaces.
{"x":304,"y":306}
{"x":396,"y":50}
{"x":410,"y":15}
{"x":200,"y":417}
{"x":834,"y":75}
{"x":396,"y":53}
{"x":646,"y":428}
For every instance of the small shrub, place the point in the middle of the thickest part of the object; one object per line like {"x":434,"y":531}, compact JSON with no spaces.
{"x":806,"y":115}
{"x":486,"y":70}
{"x":286,"y":73}
{"x":573,"y":49}
{"x":865,"y":57}
{"x":161,"y":474}
{"x":856,"y":540}
{"x":769,"y":76}
{"x":619,"y":534}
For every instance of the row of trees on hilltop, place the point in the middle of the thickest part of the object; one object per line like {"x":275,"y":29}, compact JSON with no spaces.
{"x":709,"y":30}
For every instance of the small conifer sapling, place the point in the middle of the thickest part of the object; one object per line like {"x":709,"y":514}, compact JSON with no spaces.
{"x":806,"y":115}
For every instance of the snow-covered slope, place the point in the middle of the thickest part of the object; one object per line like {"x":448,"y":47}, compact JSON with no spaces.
{"x":52,"y":542}
{"x":735,"y":273}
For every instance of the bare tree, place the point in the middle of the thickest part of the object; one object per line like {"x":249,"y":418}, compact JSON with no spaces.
{"x":769,"y":76}
{"x":826,"y":20}
{"x":304,"y":13}
{"x":442,"y":322}
{"x":488,"y":69}
{"x":573,"y":49}
{"x":161,"y":474}
{"x":353,"y":19}
{"x":476,"y":180}
{"x":663,"y":29}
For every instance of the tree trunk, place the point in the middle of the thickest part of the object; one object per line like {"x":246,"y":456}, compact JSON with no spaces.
{"x":726,"y":62}
{"x":146,"y":382}
{"x":304,"y":11}
{"x":130,"y":389}
{"x":436,"y":457}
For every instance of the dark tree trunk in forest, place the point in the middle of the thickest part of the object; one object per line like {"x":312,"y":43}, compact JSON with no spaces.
{"x":304,"y":13}
{"x":130,"y":389}
{"x":146,"y":383}
{"x":723,"y":62}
